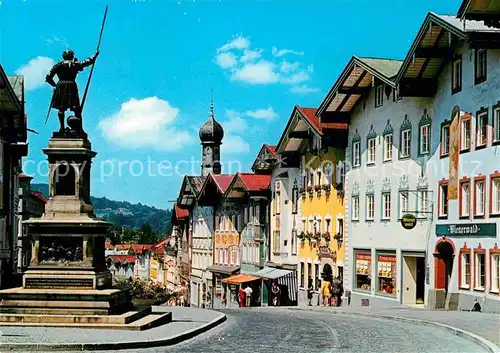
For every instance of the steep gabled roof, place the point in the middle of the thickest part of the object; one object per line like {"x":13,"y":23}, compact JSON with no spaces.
{"x":220,"y":181}
{"x":356,"y":80}
{"x":255,"y":182}
{"x":266,"y":158}
{"x":180,"y":213}
{"x":480,"y":10}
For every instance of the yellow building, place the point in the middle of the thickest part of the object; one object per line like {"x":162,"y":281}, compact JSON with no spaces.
{"x":321,"y":238}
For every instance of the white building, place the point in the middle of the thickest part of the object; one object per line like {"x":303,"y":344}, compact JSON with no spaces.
{"x":463,"y":255}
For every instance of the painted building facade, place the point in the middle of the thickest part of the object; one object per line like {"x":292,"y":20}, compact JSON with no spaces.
{"x":463,"y":257}
{"x":319,"y":239}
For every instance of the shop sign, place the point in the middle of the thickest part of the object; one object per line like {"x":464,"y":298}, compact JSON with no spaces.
{"x":467,"y":230}
{"x":408,"y":221}
{"x":326,"y":253}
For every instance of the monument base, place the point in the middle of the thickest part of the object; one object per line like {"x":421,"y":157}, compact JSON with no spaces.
{"x":66,"y":278}
{"x":77,"y":308}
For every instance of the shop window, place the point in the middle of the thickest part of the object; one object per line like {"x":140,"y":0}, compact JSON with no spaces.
{"x":495,"y":195}
{"x":496,"y":125}
{"x":370,"y":207}
{"x":443,"y":199}
{"x":464,"y":198}
{"x":480,"y":61}
{"x":482,"y":129}
{"x":465,"y":267}
{"x":465,"y":134}
{"x":386,"y":205}
{"x":363,"y":271}
{"x":386,"y":274}
{"x":302,"y":274}
{"x":456,"y":74}
{"x":445,"y":140}
{"x":479,"y":269}
{"x":479,"y":196}
{"x":495,"y":270}
{"x":355,"y":208}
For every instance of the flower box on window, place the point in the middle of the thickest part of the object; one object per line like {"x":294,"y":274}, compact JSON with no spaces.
{"x":302,"y":191}
{"x":327,"y":236}
{"x":310,"y":189}
{"x":327,"y":188}
{"x":316,"y":236}
{"x":317,"y":188}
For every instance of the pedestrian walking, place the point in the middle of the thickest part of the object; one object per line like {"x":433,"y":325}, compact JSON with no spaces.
{"x":275,"y":291}
{"x":337,"y":291}
{"x":310,"y":290}
{"x":248,"y":295}
{"x":326,"y":292}
{"x":241,"y":297}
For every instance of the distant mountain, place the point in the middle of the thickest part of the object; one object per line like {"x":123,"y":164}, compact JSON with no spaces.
{"x":125,"y":213}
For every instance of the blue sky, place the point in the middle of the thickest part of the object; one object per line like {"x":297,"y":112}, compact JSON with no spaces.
{"x":160,"y":59}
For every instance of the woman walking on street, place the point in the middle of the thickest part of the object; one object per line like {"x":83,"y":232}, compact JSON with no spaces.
{"x":310,"y":290}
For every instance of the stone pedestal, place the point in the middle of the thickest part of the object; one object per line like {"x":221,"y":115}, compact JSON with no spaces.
{"x":67,"y":280}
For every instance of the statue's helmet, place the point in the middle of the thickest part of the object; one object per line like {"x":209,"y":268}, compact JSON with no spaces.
{"x":68,"y":54}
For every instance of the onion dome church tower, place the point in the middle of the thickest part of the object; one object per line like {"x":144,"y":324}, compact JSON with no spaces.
{"x":211,"y":135}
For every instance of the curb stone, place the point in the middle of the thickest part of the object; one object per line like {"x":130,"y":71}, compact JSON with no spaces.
{"x":169,"y":341}
{"x":483,"y":342}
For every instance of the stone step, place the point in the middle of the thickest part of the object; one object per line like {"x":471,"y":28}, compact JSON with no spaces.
{"x":145,"y":323}
{"x":122,"y":319}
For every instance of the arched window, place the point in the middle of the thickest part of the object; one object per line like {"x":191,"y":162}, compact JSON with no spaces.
{"x":64,"y":180}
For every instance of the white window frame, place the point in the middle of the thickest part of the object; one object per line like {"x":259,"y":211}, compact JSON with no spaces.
{"x":443,"y":201}
{"x":405,"y":143}
{"x":379,"y":95}
{"x":445,"y":140}
{"x":496,"y":125}
{"x":372,"y":151}
{"x":477,"y":271}
{"x":495,"y":195}
{"x":388,"y":140}
{"x":465,"y":140}
{"x":404,"y":203}
{"x":370,"y":207}
{"x":465,"y":197}
{"x":457,"y":74}
{"x":423,"y":201}
{"x":495,"y":272}
{"x":424,"y":143}
{"x":356,"y":150}
{"x":386,"y":205}
{"x":482,"y":122}
{"x":480,"y":197}
{"x":481,"y":65}
{"x":463,"y":280}
{"x":355,"y":208}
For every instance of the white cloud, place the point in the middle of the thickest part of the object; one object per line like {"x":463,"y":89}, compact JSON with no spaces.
{"x":236,"y":43}
{"x":304,"y":89}
{"x":147,"y":122}
{"x":280,"y":52}
{"x":250,"y":55}
{"x":262,"y":72}
{"x":234,"y":123}
{"x":34,"y":72}
{"x":235,"y":144}
{"x":248,"y":65}
{"x":226,"y":60}
{"x":267,"y":113}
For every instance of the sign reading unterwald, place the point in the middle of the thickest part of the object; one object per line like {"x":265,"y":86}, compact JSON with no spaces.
{"x":464,"y":230}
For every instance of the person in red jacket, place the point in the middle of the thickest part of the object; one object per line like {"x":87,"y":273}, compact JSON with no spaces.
{"x":241,"y":295}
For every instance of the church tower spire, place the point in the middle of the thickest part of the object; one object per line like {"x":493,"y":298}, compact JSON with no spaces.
{"x":211,"y":135}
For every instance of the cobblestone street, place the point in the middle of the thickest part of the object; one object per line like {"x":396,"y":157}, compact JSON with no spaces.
{"x":283,"y":330}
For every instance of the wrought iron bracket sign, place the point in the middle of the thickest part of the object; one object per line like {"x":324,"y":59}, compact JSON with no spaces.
{"x":408,"y":221}
{"x":465,"y":230}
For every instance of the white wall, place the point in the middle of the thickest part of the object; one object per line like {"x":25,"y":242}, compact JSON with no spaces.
{"x":384,"y":234}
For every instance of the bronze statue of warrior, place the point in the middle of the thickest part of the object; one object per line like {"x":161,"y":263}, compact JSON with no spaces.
{"x":66,"y":91}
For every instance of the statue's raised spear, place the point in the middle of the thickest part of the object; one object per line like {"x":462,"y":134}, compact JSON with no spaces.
{"x":92,"y":68}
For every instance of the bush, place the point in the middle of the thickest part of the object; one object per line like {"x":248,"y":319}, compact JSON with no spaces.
{"x":145,"y":289}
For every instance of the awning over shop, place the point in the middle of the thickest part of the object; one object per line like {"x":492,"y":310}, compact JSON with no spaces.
{"x":238,"y":279}
{"x":272,"y":273}
{"x":223,"y":269}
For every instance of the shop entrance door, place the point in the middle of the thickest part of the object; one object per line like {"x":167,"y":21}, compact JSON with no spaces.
{"x":420,"y":280}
